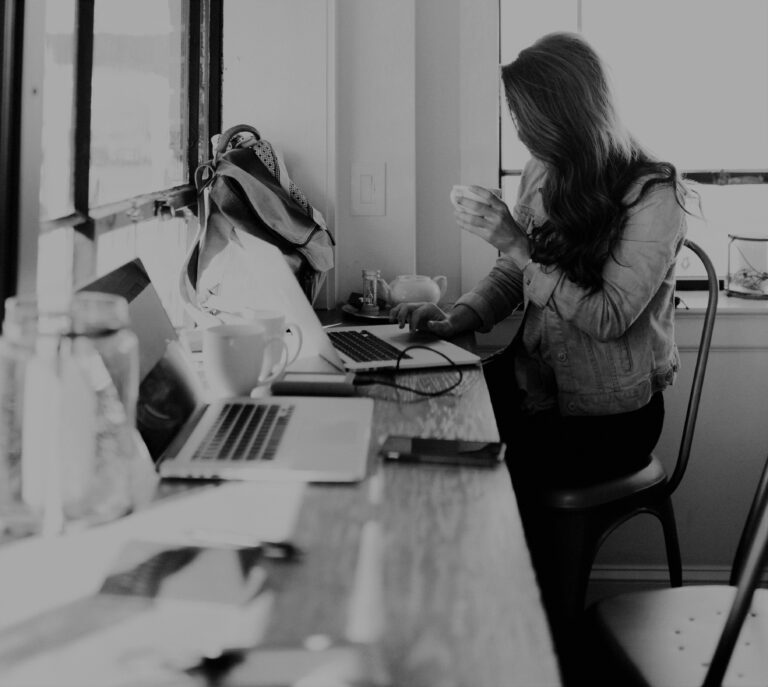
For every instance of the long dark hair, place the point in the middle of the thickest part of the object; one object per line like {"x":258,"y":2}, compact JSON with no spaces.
{"x":560,"y":100}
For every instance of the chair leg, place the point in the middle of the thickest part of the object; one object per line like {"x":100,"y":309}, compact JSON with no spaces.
{"x":666,"y":515}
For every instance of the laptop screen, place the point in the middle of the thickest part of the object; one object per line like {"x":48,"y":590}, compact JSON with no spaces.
{"x":169,"y":390}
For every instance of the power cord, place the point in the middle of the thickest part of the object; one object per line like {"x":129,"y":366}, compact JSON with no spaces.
{"x":366,"y":380}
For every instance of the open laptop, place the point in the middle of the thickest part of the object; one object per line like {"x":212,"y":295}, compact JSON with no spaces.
{"x":190,"y":436}
{"x":274,"y":287}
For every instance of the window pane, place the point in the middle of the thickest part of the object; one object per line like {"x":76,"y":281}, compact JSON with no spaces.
{"x":691,"y":77}
{"x":138,"y":133}
{"x":736,"y":209}
{"x":522,"y":22}
{"x":58,"y":98}
{"x":55,"y":265}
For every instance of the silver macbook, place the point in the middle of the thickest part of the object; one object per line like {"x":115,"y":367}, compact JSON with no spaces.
{"x":188,"y":436}
{"x":354,"y":348}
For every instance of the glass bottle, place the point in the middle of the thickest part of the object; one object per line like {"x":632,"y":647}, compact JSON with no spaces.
{"x":68,"y":391}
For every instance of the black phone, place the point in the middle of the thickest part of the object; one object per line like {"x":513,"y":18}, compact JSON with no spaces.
{"x":443,"y":451}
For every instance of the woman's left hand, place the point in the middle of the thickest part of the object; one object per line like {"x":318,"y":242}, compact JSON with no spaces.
{"x":489,"y":218}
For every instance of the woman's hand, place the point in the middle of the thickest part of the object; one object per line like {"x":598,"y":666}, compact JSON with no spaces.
{"x":427,"y":317}
{"x":489,"y":218}
{"x":423,"y":317}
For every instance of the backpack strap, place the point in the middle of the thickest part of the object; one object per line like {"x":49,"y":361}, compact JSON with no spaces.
{"x":226,"y":137}
{"x":204,"y":175}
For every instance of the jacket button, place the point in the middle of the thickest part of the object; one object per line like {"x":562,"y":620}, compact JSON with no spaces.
{"x":571,"y":405}
{"x":562,"y":356}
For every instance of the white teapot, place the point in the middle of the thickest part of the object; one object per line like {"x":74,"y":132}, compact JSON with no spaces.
{"x":409,"y":288}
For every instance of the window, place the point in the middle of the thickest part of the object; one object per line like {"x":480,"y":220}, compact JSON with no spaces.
{"x":691,"y":82}
{"x":126,"y":103}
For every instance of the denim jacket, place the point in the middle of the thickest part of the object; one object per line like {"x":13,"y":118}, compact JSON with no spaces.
{"x":592,"y":353}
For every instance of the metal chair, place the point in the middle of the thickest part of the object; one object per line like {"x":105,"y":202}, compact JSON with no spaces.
{"x":583,"y":517}
{"x":698,"y":634}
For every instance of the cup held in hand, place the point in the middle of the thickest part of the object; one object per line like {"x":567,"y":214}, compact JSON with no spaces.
{"x":463,"y":191}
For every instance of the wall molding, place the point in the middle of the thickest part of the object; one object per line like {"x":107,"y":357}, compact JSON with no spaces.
{"x":654,"y":575}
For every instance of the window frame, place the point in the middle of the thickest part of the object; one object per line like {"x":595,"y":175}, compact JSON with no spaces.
{"x":202,"y":117}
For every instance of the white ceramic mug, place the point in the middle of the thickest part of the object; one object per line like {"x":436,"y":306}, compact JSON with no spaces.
{"x":275,"y":324}
{"x":235,"y":357}
{"x":462,"y":191}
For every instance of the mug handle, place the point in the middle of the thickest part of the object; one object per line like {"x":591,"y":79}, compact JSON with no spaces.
{"x":276,"y":372}
{"x":294,"y":328}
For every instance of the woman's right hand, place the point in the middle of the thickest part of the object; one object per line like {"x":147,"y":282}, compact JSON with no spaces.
{"x":423,"y":317}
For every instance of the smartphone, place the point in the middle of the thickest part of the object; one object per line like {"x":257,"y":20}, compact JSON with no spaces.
{"x":443,"y":451}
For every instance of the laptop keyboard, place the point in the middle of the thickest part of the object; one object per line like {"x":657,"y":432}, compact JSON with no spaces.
{"x":364,"y":347}
{"x":245,"y":432}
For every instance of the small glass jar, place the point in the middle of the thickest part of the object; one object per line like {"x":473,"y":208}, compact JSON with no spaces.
{"x":747,"y":275}
{"x":68,"y":391}
{"x":369,"y":304}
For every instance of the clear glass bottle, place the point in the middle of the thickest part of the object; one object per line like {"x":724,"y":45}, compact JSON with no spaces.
{"x":747,"y":275}
{"x":369,"y":304}
{"x":68,"y":391}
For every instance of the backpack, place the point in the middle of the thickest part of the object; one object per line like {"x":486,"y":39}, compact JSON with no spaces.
{"x":245,"y":192}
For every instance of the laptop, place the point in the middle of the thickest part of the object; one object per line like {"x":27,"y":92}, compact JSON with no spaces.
{"x":353,"y":348}
{"x":188,"y":435}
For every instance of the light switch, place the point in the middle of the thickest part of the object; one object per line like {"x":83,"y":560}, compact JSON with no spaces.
{"x":368,"y":188}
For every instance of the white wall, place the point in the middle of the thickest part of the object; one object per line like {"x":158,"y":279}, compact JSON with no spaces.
{"x":276,"y":78}
{"x":438,"y":157}
{"x":410,"y":84}
{"x":375,"y":123}
{"x":279,"y":76}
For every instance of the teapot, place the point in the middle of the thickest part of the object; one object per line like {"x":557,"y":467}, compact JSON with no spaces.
{"x":408,"y":288}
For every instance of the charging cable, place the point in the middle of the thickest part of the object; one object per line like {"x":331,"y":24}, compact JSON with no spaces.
{"x":363,"y":380}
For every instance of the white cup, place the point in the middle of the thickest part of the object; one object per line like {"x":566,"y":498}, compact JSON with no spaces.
{"x":462,"y":191}
{"x":236,"y":355}
{"x":275,"y":324}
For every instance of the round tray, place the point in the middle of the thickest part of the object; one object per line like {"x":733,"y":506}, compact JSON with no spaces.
{"x":350,"y":310}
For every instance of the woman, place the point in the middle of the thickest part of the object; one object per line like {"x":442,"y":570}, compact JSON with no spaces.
{"x":590,"y":251}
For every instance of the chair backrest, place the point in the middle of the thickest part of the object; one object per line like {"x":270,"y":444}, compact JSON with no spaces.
{"x":751,"y":557}
{"x":701,"y":365}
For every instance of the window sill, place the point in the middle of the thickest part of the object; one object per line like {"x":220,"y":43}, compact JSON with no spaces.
{"x":726,"y":305}
{"x":740,"y":324}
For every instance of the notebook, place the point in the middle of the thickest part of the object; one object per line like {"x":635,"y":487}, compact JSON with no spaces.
{"x":275,"y":287}
{"x":190,"y":436}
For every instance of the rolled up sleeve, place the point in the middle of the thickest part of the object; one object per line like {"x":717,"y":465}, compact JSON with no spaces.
{"x":497,"y":295}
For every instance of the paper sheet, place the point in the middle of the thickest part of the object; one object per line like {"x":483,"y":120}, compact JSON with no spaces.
{"x":39,"y":574}
{"x":149,"y":648}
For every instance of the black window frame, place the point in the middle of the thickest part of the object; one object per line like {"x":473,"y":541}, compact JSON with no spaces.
{"x":11,"y":42}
